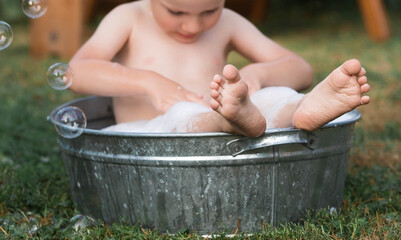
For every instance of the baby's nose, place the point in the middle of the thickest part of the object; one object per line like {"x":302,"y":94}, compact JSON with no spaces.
{"x":193,"y":25}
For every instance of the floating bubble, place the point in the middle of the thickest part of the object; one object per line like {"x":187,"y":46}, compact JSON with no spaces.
{"x":333,"y":211}
{"x":6,"y":35}
{"x":34,"y":8}
{"x":70,"y":122}
{"x":59,"y":76}
{"x":80,"y":222}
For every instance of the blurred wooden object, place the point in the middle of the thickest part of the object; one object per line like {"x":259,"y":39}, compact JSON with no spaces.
{"x":59,"y":32}
{"x":258,"y":10}
{"x":254,"y":10}
{"x":89,"y":7}
{"x":375,"y":19}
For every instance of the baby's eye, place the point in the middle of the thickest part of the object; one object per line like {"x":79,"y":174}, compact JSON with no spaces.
{"x":175,"y":13}
{"x":210,"y":12}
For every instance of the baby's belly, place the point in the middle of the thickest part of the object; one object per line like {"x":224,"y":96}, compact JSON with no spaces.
{"x":127,"y":109}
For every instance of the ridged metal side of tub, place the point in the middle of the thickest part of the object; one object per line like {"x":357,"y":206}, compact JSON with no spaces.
{"x":204,"y":182}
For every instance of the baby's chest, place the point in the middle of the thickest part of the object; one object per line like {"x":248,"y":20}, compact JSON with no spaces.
{"x":175,"y":60}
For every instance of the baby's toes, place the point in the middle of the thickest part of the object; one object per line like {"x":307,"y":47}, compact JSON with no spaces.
{"x":362,"y":72}
{"x":215,"y":95}
{"x":214,"y":86}
{"x":365,"y":88}
{"x":231,"y":73}
{"x":365,"y":100}
{"x":352,"y":67}
{"x":362,"y":80}
{"x":215,"y":105}
{"x":218,"y":79}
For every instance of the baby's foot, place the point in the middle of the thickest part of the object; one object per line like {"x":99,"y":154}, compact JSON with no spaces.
{"x":339,"y":93}
{"x":230,"y":99}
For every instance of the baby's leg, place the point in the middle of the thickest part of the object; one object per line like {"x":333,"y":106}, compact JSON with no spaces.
{"x":276,"y":104}
{"x":339,"y":93}
{"x":230,"y":99}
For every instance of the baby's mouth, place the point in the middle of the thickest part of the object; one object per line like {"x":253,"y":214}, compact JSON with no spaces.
{"x":187,"y":36}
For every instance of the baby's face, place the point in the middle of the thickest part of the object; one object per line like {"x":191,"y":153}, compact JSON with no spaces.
{"x":186,"y":20}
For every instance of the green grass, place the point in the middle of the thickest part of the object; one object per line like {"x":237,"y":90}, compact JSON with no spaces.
{"x":34,"y":192}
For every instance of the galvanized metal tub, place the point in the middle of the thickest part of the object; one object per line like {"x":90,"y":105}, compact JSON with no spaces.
{"x":204,"y":182}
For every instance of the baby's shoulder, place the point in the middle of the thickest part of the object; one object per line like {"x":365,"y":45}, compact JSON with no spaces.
{"x":232,"y":20}
{"x":130,"y":10}
{"x":230,"y":16}
{"x":123,"y":17}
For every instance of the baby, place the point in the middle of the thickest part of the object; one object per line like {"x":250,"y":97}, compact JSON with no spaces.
{"x":151,"y":55}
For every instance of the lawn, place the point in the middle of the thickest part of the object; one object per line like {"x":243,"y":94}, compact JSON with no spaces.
{"x":35,"y":201}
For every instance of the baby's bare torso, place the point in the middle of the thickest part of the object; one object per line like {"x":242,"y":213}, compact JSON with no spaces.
{"x":190,"y":65}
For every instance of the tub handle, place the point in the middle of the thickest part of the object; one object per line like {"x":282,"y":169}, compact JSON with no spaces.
{"x":241,"y":145}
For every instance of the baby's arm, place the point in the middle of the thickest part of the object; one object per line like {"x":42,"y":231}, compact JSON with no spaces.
{"x":272,"y":65}
{"x":95,"y":73}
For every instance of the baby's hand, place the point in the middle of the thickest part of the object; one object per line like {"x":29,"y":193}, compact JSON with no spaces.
{"x":167,"y":93}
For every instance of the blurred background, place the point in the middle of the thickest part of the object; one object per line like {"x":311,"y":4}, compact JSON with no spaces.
{"x":324,"y":32}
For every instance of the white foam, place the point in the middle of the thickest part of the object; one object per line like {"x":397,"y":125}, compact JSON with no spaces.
{"x":181,"y":116}
{"x":272,"y":101}
{"x":176,"y":119}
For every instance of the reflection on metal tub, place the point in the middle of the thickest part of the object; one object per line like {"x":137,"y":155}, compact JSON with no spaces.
{"x":204,"y":182}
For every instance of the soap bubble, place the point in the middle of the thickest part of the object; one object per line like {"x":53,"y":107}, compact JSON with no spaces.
{"x":6,"y":35}
{"x":59,"y":76}
{"x":333,"y":211}
{"x":80,"y":222}
{"x":34,"y":8}
{"x":70,"y":122}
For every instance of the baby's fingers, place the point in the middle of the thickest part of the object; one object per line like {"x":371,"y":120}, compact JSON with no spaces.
{"x":196,"y":98}
{"x":165,"y":104}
